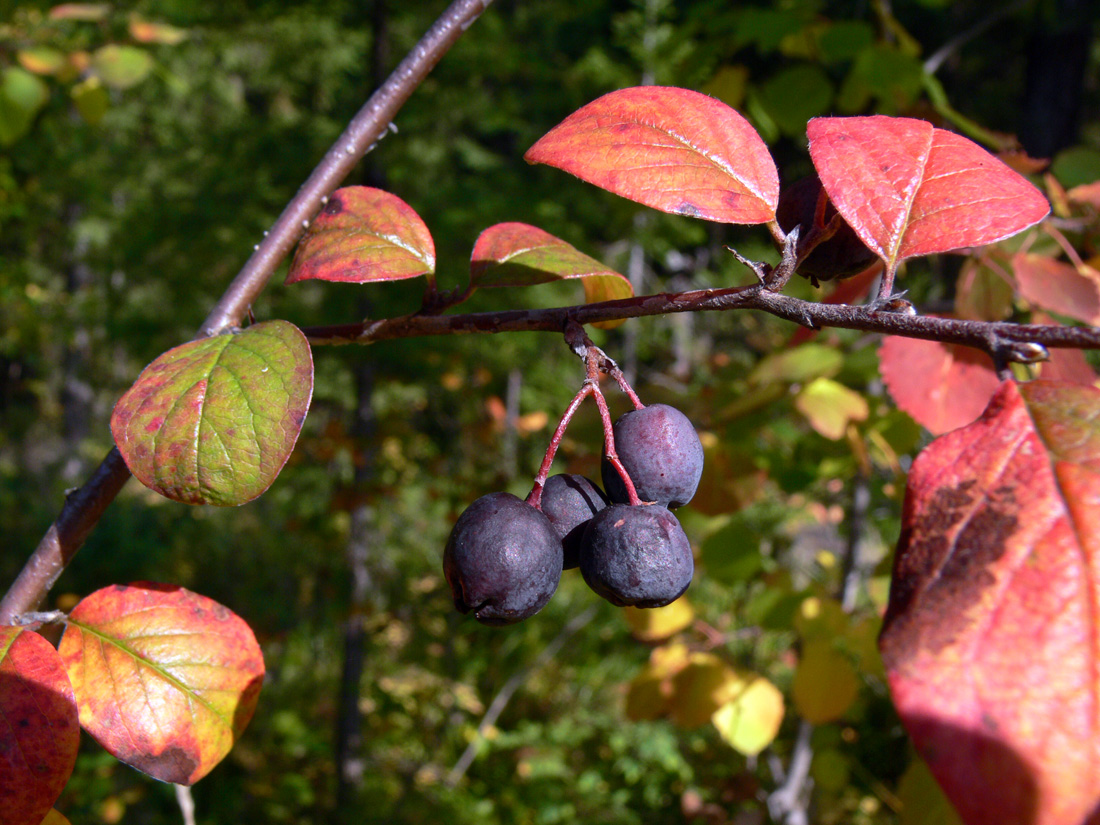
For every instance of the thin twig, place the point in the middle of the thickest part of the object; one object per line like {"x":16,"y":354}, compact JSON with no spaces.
{"x":500,"y":701}
{"x":84,"y":507}
{"x":186,"y":803}
{"x":811,"y":314}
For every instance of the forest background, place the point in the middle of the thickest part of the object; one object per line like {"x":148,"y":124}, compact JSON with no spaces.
{"x":126,"y":206}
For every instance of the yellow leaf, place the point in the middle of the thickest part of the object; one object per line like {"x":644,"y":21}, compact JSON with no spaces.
{"x":830,"y":407}
{"x":825,"y":683}
{"x":922,"y":801}
{"x":750,"y":720}
{"x":700,"y":688}
{"x":659,"y":623}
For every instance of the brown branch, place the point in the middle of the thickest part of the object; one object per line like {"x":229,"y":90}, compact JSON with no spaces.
{"x":84,"y":507}
{"x":1014,"y":342}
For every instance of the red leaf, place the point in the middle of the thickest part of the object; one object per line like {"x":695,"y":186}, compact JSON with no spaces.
{"x":990,"y":635}
{"x":166,"y":679}
{"x":361,"y":236}
{"x":909,"y":189}
{"x":942,"y":386}
{"x":1059,"y":287}
{"x":518,"y":254}
{"x":672,"y":149}
{"x":39,"y":732}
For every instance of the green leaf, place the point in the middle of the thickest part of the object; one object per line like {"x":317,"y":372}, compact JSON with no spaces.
{"x":91,"y":100}
{"x":518,"y":254}
{"x":22,"y":95}
{"x":893,"y":79}
{"x":795,"y":366}
{"x":364,"y":235}
{"x":214,"y":421}
{"x":795,"y":95}
{"x":122,"y":67}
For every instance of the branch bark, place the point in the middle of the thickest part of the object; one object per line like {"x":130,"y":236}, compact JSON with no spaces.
{"x":993,"y":337}
{"x":84,"y":507}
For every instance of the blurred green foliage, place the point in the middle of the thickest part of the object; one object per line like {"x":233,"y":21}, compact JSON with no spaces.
{"x":129,"y":200}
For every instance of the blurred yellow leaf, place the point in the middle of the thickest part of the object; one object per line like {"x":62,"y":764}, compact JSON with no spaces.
{"x":700,"y":688}
{"x":820,"y":618}
{"x":659,"y":623}
{"x":825,"y":683}
{"x":922,"y":801}
{"x":750,"y":720}
{"x":830,"y":407}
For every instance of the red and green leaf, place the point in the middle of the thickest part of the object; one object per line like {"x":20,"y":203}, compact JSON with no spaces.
{"x":675,"y":150}
{"x":989,"y":639}
{"x":518,"y":254}
{"x":213,"y":421}
{"x":909,"y":189}
{"x":39,"y":731}
{"x":942,"y":386}
{"x":363,"y":235}
{"x":165,"y":679}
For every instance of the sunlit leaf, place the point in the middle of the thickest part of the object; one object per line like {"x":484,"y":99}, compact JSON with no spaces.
{"x":54,"y":817}
{"x":43,"y":60}
{"x":363,"y":235}
{"x":830,"y":407}
{"x":122,"y":67}
{"x":700,"y":688}
{"x":166,"y":679}
{"x":990,"y":637}
{"x":672,"y":149}
{"x":909,"y":189}
{"x":749,"y":721}
{"x":39,"y":731}
{"x":943,"y":386}
{"x":1058,"y":287}
{"x":213,"y":421}
{"x":659,"y":623}
{"x":517,"y":254}
{"x":798,"y":364}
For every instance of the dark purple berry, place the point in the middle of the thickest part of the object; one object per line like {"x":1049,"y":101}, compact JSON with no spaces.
{"x":569,"y":501}
{"x":636,"y":555}
{"x":662,"y":453}
{"x":503,"y":560}
{"x":842,"y":256}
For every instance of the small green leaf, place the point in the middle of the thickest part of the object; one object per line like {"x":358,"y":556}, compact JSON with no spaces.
{"x":22,"y":95}
{"x":795,"y":95}
{"x":91,"y":99}
{"x":794,"y":366}
{"x":214,"y":421}
{"x":517,"y":254}
{"x":122,"y":67}
{"x":364,"y":235}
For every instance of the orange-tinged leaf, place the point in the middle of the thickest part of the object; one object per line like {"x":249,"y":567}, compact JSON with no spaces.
{"x":989,"y":639}
{"x":1058,"y":287}
{"x":675,"y":150}
{"x":42,"y":60}
{"x":145,"y":31}
{"x":363,"y":235}
{"x":53,"y":817}
{"x":943,"y":386}
{"x":88,"y":12}
{"x":166,"y":679}
{"x":518,"y":254}
{"x":39,"y":731}
{"x":700,"y":688}
{"x":909,"y":189}
{"x":825,"y":683}
{"x":1086,"y":193}
{"x":213,"y":421}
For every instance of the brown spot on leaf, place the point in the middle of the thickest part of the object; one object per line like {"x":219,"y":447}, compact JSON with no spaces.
{"x":942,"y":565}
{"x":334,"y":206}
{"x":689,"y":210}
{"x":173,"y":764}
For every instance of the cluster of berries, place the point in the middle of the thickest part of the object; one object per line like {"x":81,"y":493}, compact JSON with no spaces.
{"x":505,"y":556}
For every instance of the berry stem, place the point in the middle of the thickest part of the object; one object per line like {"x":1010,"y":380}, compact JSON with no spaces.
{"x":534,"y":498}
{"x":593,"y":364}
